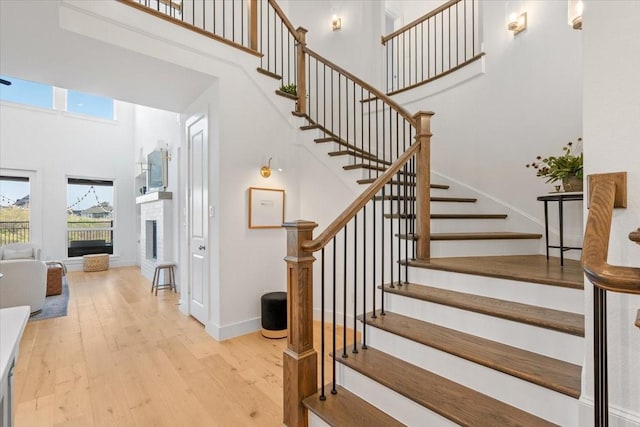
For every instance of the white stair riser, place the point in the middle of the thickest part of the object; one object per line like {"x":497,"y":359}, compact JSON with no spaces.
{"x":387,"y":400}
{"x":542,"y":402}
{"x":466,"y":225}
{"x":548,"y":296}
{"x":452,"y":248}
{"x":315,"y":421}
{"x":550,"y":343}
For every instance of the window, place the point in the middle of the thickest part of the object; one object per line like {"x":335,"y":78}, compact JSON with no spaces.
{"x":90,"y":213}
{"x":14,"y":209}
{"x":90,"y":105}
{"x":26,"y":92}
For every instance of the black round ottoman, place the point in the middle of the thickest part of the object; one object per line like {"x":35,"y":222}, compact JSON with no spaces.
{"x":274,"y":315}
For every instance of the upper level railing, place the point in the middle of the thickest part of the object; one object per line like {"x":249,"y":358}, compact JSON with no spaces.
{"x":433,"y":45}
{"x":258,"y":27}
{"x":607,"y":191}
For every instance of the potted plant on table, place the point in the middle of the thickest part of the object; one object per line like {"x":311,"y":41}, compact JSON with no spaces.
{"x":566,"y":168}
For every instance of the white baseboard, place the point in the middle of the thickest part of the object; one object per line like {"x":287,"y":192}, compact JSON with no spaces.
{"x":221,"y":333}
{"x":618,"y":417}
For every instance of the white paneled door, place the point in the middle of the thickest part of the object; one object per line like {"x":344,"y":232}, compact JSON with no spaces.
{"x":198,"y":219}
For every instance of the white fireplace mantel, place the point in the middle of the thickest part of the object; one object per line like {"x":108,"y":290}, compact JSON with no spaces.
{"x":154,"y":196}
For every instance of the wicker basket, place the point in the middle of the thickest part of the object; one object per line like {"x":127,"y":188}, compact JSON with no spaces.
{"x":97,"y":262}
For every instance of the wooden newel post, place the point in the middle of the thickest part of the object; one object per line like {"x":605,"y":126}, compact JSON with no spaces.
{"x":301,"y":81}
{"x":300,"y":359}
{"x":423,"y":183}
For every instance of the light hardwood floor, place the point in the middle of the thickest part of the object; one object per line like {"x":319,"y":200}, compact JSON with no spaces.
{"x":124,"y":357}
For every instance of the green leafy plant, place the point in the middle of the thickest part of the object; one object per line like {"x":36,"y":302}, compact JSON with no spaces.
{"x":290,"y":89}
{"x":557,"y":168}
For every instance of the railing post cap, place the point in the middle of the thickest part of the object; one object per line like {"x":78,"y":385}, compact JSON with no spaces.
{"x":302,"y":30}
{"x":423,"y":113}
{"x":300,"y":224}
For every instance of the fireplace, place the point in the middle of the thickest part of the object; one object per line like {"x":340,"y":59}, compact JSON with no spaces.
{"x":156,"y":231}
{"x":151,"y":239}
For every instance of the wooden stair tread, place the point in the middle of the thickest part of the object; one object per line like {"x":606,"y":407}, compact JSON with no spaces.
{"x":451,"y":400}
{"x":360,"y":155}
{"x":364,"y":166}
{"x":489,"y":235}
{"x":310,"y":127}
{"x":527,"y":268}
{"x":495,"y":235}
{"x":562,"y":321}
{"x":402,"y":183}
{"x":269,"y":73}
{"x":554,"y":374}
{"x":340,"y":142}
{"x":449,"y":216}
{"x":286,"y":95}
{"x":346,"y":409}
{"x":396,"y":197}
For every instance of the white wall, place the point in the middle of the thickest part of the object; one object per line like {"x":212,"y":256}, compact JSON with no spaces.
{"x":356,"y":46}
{"x":57,"y":145}
{"x":611,"y":129}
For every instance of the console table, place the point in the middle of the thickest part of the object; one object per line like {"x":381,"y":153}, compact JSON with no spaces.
{"x":560,"y":198}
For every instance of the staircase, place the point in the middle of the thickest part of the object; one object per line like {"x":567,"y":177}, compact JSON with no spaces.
{"x":442,"y":353}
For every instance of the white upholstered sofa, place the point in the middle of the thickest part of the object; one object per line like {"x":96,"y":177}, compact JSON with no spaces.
{"x":24,"y":276}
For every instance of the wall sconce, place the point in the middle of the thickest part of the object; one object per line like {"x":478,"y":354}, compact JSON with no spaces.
{"x":265,"y":170}
{"x":517,"y":24}
{"x":574,"y":14}
{"x":336,"y":23}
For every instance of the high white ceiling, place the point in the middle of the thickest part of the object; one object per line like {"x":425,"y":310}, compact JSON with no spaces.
{"x":34,"y":47}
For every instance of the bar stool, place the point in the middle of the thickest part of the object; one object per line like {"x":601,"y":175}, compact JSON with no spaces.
{"x":170,"y":274}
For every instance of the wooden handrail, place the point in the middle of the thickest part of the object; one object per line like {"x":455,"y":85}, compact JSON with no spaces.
{"x":412,"y":24}
{"x":634,"y":236}
{"x":596,"y":245}
{"x":284,"y":18}
{"x":377,"y":93}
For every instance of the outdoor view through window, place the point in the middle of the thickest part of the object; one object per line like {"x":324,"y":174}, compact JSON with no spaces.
{"x":14,"y":209}
{"x":89,"y":217}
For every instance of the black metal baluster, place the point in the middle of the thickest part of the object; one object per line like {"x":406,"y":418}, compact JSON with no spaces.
{"x":422,"y":50}
{"x":322,"y":326}
{"x":600,"y":374}
{"x":373,"y":262}
{"x":473,"y":27}
{"x":333,"y":353}
{"x":382,"y":254}
{"x":364,"y":277}
{"x":344,"y":296}
{"x":355,"y":284}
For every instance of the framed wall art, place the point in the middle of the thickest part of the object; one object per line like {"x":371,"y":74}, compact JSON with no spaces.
{"x":266,"y":207}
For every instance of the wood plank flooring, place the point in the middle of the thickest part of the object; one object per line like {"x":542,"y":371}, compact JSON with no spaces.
{"x":125,"y":357}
